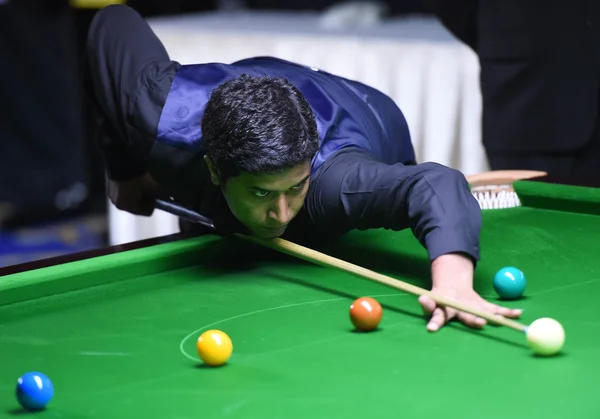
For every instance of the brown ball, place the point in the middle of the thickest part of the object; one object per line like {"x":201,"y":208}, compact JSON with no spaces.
{"x":365,"y":314}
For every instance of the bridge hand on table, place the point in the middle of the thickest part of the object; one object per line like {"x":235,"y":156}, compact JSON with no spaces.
{"x":452,"y":277}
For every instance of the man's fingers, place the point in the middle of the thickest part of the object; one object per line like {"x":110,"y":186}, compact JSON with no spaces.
{"x":506,"y":312}
{"x":438,"y":319}
{"x":142,"y":206}
{"x":471,"y":320}
{"x":427,"y":304}
{"x":502,"y":311}
{"x":438,"y":316}
{"x":145,"y":206}
{"x":477,"y":322}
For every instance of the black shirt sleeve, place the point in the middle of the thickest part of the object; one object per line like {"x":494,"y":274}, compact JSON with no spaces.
{"x":120,"y":163}
{"x":127,"y":76}
{"x":353,"y":191}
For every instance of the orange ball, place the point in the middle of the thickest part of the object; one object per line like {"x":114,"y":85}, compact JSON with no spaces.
{"x":214,"y":347}
{"x":365,"y":314}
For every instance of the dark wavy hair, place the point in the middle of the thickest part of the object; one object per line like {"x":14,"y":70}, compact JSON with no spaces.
{"x":258,"y":125}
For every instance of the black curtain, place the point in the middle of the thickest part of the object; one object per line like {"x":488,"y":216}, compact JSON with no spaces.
{"x":45,"y":166}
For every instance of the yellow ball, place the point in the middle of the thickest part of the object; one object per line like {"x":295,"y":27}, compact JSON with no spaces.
{"x":214,"y":347}
{"x":545,"y":336}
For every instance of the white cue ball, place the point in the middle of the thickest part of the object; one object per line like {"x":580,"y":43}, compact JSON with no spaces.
{"x":545,"y":336}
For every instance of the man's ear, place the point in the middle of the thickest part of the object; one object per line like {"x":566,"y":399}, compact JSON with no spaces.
{"x":214,"y":176}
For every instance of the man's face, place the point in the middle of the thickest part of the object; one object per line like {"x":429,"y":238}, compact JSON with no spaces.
{"x":266,"y":204}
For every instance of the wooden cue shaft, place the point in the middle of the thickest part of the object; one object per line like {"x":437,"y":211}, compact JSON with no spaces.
{"x":322,"y":259}
{"x":310,"y":255}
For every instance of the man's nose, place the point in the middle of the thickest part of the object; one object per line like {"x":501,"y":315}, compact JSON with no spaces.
{"x":280,"y":210}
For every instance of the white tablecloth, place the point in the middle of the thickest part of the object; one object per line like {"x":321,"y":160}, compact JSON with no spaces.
{"x":428,"y":73}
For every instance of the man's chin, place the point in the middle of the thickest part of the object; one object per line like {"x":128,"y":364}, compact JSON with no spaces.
{"x":269,"y":233}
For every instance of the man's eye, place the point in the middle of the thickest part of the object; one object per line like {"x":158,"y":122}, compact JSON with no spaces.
{"x":261,"y":194}
{"x":298,"y":187}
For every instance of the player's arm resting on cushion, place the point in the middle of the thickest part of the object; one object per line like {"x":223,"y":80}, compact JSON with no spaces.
{"x":434,"y":201}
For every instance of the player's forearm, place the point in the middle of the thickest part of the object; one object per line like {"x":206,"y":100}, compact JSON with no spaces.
{"x":431,"y":199}
{"x":445,"y":216}
{"x":453,"y":269}
{"x":434,"y":201}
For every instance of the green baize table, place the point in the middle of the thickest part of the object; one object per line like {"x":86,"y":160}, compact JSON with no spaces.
{"x":115,"y":330}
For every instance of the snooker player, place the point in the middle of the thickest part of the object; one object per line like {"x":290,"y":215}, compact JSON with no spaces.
{"x":274,"y":149}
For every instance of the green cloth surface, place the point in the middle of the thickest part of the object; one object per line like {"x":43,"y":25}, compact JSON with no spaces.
{"x":117,"y":333}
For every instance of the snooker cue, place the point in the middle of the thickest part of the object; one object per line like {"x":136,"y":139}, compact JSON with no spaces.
{"x":322,"y":259}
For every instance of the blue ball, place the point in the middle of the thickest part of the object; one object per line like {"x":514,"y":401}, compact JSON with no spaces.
{"x":509,"y":283}
{"x":34,"y":391}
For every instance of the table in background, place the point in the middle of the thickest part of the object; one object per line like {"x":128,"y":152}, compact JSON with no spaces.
{"x":427,"y":72}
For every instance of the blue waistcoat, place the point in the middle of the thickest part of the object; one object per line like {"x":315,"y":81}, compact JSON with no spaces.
{"x":348,"y":113}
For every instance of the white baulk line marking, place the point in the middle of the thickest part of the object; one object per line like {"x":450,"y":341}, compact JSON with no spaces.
{"x":563,"y":287}
{"x":208,"y":326}
{"x":91,"y":353}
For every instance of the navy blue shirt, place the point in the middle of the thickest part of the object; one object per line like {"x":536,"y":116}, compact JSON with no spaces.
{"x":347,"y":113}
{"x":363,"y":177}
